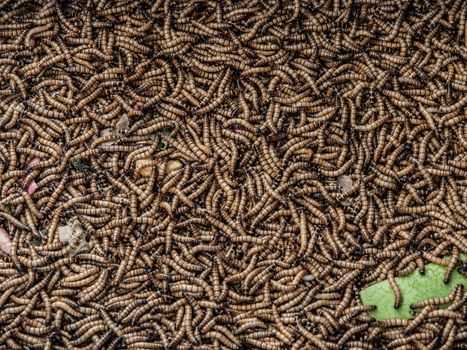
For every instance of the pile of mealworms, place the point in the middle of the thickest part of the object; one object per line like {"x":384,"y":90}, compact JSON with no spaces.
{"x":238,"y":170}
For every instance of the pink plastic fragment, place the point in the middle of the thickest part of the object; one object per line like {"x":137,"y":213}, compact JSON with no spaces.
{"x":10,"y":190}
{"x":32,"y":187}
{"x":34,"y":160}
{"x":138,"y":107}
{"x":5,"y":241}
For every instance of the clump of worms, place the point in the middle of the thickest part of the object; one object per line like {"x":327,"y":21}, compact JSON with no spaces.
{"x":238,"y":171}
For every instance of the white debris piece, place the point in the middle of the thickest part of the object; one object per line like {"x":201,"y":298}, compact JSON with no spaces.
{"x":345,"y":182}
{"x":122,"y":125}
{"x":144,"y":167}
{"x":308,"y":278}
{"x":72,"y":232}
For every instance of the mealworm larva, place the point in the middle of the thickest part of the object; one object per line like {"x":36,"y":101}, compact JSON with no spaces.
{"x":435,"y":301}
{"x":419,"y":318}
{"x":452,"y":264}
{"x":396,"y":290}
{"x":95,"y":289}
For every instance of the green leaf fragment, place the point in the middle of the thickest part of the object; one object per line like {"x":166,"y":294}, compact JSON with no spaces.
{"x":36,"y":241}
{"x":414,"y":287}
{"x":82,"y":165}
{"x":164,"y":131}
{"x":162,"y":145}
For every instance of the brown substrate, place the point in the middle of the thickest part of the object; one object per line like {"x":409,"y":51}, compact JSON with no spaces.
{"x":241,"y":170}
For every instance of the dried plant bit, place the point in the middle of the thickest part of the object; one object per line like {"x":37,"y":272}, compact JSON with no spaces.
{"x":146,"y":167}
{"x":123,"y":124}
{"x":173,"y":165}
{"x":105,"y":133}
